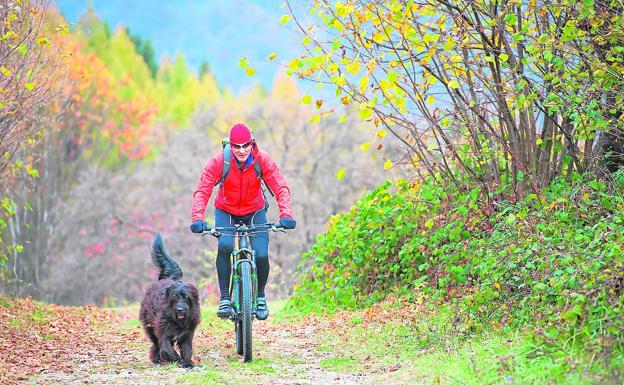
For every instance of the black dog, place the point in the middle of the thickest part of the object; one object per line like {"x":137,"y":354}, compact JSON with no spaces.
{"x":169,"y":311}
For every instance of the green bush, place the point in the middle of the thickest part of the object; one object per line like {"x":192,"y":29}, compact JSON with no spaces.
{"x":555,"y":265}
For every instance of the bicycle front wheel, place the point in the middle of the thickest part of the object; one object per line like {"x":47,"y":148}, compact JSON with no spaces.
{"x":239,"y":337}
{"x":246,"y":307}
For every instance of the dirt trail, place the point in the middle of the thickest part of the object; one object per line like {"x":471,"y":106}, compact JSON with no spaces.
{"x":284,"y":353}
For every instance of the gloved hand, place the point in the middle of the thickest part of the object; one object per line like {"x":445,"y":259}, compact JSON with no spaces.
{"x":199,"y":226}
{"x":287,"y":223}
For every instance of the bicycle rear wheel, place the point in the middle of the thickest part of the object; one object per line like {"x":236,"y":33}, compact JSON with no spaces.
{"x":246,"y":307}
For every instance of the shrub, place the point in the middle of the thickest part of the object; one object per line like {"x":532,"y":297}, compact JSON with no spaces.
{"x":555,"y":265}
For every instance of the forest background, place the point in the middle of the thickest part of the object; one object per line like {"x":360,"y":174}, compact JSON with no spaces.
{"x":104,"y":147}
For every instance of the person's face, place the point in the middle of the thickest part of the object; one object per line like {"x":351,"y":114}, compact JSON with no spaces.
{"x":241,"y":151}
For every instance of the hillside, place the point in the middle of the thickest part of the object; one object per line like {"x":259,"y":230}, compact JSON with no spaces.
{"x":550,"y":269}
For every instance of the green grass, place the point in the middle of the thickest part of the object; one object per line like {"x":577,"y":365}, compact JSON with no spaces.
{"x":511,"y":357}
{"x":203,"y":376}
{"x":326,"y":347}
{"x":292,"y":360}
{"x":5,"y":303}
{"x":211,"y":322}
{"x":257,"y":366}
{"x":277,"y":313}
{"x":428,"y":351}
{"x":236,"y":372}
{"x":133,"y":323}
{"x":341,"y":364}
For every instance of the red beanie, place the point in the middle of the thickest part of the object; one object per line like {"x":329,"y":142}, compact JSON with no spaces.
{"x":239,"y":134}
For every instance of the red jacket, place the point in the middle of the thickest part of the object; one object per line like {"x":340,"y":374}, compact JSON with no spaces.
{"x":241,"y":193}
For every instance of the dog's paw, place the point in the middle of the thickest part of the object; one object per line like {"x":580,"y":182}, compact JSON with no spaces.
{"x":186,"y":365}
{"x":154,"y":357}
{"x":170,"y":356}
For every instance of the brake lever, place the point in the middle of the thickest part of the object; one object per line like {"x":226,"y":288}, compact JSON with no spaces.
{"x":275,"y":229}
{"x":212,"y":232}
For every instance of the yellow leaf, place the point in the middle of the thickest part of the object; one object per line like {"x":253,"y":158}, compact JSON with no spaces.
{"x":42,"y":41}
{"x":365,"y":146}
{"x":430,"y":99}
{"x":250,"y":71}
{"x":339,"y":80}
{"x":243,"y":63}
{"x":388,"y":164}
{"x":454,"y":84}
{"x":371,"y":65}
{"x":272,"y":56}
{"x":450,"y":43}
{"x":365,"y":113}
{"x":381,"y":133}
{"x":455,"y":58}
{"x":307,"y":99}
{"x":379,"y":37}
{"x":353,"y":68}
{"x":285,"y":19}
{"x":340,"y":174}
{"x":363,"y":84}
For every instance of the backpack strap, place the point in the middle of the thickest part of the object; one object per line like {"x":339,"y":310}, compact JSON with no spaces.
{"x":258,"y":170}
{"x":226,"y":163}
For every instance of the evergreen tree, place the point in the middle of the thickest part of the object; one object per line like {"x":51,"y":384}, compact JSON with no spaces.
{"x":145,"y":48}
{"x":204,"y":68}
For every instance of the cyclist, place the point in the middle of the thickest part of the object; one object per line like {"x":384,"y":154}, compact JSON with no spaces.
{"x":240,"y":199}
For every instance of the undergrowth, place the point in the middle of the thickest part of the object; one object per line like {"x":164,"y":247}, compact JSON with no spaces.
{"x":553,"y":263}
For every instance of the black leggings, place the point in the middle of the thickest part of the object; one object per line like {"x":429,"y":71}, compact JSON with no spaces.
{"x":260,"y":243}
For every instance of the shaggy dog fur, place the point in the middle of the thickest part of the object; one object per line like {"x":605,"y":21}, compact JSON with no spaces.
{"x":169,"y":311}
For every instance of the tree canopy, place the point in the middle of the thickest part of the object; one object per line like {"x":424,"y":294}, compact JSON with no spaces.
{"x":504,"y":94}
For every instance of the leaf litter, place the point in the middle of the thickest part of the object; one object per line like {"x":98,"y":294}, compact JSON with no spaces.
{"x":52,"y":344}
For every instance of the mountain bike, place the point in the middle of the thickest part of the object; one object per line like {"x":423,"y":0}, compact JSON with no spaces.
{"x":244,"y":280}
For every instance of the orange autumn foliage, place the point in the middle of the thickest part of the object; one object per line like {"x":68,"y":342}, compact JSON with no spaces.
{"x":95,"y":112}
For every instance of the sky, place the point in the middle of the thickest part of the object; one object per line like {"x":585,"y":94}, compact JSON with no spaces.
{"x":219,"y":31}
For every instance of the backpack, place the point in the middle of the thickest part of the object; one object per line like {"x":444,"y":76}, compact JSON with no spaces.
{"x":226,"y":169}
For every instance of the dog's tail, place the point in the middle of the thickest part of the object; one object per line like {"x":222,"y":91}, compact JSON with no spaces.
{"x":169,"y":268}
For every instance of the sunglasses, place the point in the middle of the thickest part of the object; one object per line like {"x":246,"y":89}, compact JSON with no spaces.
{"x":240,"y":146}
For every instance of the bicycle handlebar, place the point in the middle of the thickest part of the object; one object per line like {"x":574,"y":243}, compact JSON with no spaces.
{"x":243,"y":228}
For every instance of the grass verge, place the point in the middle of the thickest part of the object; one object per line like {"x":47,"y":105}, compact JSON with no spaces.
{"x":427,"y":348}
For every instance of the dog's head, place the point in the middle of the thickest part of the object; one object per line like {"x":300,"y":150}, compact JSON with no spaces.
{"x":183,"y":299}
